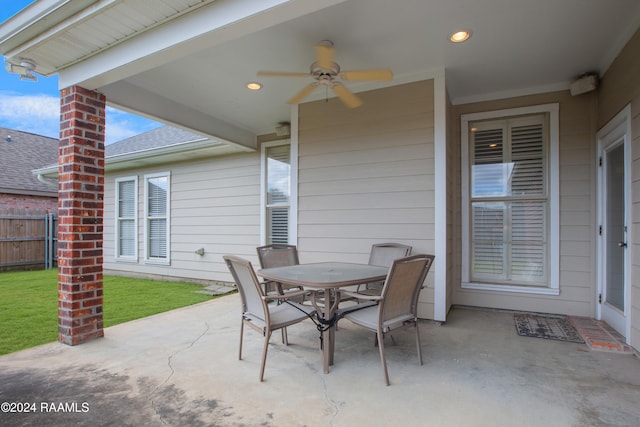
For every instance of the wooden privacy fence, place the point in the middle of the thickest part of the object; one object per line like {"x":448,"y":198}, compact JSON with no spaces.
{"x":28,"y":239}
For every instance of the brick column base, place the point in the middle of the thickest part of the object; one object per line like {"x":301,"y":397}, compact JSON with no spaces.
{"x":80,"y":212}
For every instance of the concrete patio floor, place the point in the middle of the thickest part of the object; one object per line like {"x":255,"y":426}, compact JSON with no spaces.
{"x":181,"y":368}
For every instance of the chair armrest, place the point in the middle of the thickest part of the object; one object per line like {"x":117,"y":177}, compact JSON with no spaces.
{"x":361,"y":296}
{"x":288,"y":295}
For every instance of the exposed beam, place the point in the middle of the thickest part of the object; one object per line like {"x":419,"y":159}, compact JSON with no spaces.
{"x":134,"y":99}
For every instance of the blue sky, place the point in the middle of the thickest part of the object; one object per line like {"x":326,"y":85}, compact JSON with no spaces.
{"x":35,"y":106}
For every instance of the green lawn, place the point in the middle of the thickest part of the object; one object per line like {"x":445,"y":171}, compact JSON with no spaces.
{"x":29,"y":304}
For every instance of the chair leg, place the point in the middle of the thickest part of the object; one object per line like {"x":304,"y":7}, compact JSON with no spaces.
{"x":383,"y":360}
{"x":267,"y":336}
{"x":285,"y":338}
{"x":418,"y":342}
{"x":241,"y":331}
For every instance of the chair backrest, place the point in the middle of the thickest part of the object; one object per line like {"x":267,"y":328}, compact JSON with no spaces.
{"x":402,"y":286}
{"x":277,"y":255}
{"x":383,"y":254}
{"x":249,"y":287}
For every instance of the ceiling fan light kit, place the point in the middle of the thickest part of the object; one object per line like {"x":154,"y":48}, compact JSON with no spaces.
{"x":327,"y":73}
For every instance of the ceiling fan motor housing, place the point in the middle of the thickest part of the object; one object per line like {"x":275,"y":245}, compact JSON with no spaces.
{"x":325,"y":75}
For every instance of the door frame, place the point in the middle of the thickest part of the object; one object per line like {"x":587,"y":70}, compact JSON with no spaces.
{"x":617,"y":128}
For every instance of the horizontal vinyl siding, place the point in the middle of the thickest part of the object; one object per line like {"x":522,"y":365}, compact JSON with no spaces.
{"x":367,"y":176}
{"x":577,"y":210}
{"x":215,"y":205}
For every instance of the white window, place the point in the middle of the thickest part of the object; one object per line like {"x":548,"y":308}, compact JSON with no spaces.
{"x":510,"y":206}
{"x":126,"y":219}
{"x":157,"y":191}
{"x":276,"y":168}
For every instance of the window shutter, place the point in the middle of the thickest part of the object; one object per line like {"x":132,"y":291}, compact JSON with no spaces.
{"x":157,"y":238}
{"x":527,"y":156}
{"x":279,"y":225}
{"x":126,"y":202}
{"x":488,"y":239}
{"x":127,"y":238}
{"x":157,"y":197}
{"x":528,"y":246}
{"x":509,"y":201}
{"x":157,"y":217}
{"x":126,"y":218}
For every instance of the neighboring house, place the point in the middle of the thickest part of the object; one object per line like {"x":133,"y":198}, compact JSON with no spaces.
{"x":527,"y":192}
{"x":21,"y":153}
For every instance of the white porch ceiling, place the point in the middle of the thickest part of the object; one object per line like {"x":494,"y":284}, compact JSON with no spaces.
{"x":187,"y":62}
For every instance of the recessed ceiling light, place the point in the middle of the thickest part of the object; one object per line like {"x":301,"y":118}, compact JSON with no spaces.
{"x":254,"y":86}
{"x":460,"y":36}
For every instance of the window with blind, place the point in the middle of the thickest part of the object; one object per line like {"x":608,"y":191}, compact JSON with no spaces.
{"x":157,"y":217}
{"x":278,"y":193}
{"x":509,"y":201}
{"x":126,"y":219}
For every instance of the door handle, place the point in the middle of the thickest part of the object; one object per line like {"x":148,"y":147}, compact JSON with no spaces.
{"x":622,"y":244}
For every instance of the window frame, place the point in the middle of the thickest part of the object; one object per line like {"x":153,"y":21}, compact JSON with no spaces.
{"x":553,"y":177}
{"x":264,"y":226}
{"x":117,"y":254}
{"x":147,"y":258}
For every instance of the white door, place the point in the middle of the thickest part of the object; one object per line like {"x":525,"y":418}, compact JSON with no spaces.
{"x":614,"y":213}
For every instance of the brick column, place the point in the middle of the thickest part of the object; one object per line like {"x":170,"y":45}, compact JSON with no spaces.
{"x":80,"y":213}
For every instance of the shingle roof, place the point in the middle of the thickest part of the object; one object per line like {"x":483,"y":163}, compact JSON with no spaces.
{"x":21,"y":153}
{"x":156,"y":138}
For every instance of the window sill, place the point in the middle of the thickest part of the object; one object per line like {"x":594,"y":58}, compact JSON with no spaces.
{"x":510,"y":288}
{"x":127,"y":260}
{"x":157,"y":262}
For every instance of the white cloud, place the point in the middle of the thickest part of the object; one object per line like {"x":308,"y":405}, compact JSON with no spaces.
{"x":121,"y":125}
{"x":40,"y":114}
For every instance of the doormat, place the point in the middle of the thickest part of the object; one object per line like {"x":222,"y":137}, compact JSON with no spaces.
{"x":547,"y":327}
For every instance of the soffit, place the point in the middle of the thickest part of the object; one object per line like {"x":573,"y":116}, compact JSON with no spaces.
{"x":76,"y":30}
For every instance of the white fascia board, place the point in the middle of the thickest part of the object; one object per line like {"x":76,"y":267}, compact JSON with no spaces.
{"x":50,"y":171}
{"x":121,"y":160}
{"x":214,"y":24}
{"x":133,"y":98}
{"x":168,"y":150}
{"x":36,"y":19}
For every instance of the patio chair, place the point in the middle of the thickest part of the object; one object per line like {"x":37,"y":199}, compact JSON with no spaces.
{"x":278,"y":255}
{"x":397,"y":303}
{"x":256,"y":312}
{"x":383,"y":255}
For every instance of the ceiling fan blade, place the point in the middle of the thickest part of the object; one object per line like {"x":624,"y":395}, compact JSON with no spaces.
{"x":282,"y":74}
{"x":303,"y":94}
{"x":366,"y":75}
{"x":346,"y":96}
{"x":324,"y":56}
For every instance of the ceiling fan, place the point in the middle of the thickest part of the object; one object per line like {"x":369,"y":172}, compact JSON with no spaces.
{"x":327,"y":73}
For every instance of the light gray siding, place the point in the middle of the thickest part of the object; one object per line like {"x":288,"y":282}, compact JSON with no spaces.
{"x":215,"y":205}
{"x":367,"y":176}
{"x":577,"y":210}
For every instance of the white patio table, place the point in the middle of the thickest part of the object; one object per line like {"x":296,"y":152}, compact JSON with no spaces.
{"x":326,"y":276}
